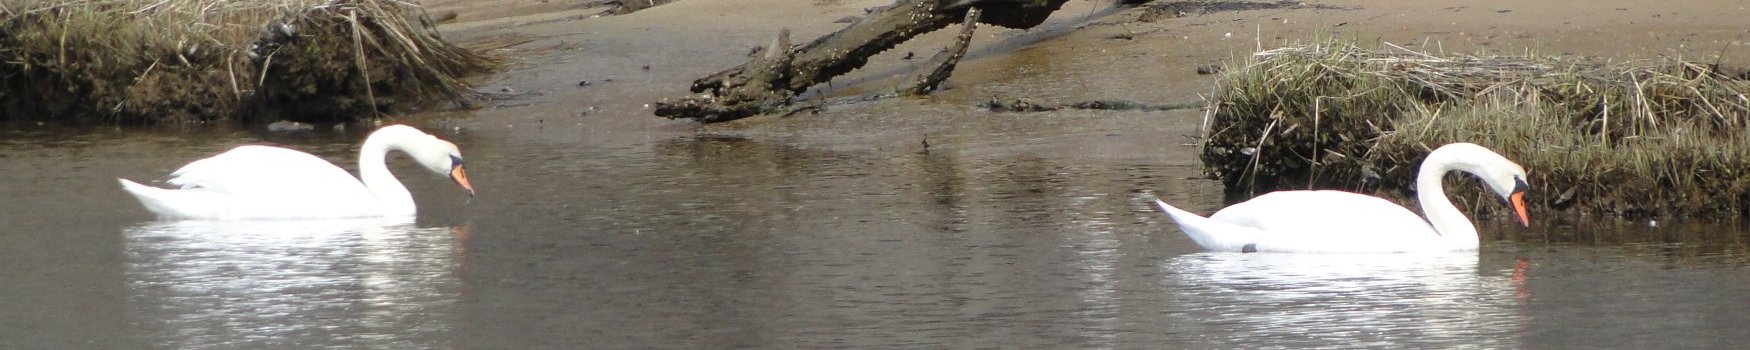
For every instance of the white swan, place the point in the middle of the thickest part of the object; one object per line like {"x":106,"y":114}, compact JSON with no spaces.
{"x":1337,"y":221}
{"x":262,"y":182}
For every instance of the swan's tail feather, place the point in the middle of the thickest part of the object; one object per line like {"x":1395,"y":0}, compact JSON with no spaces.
{"x":147,"y":195}
{"x":166,"y":203}
{"x":1210,"y":234}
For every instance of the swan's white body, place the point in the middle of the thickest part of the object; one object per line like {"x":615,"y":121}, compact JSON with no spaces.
{"x":263,"y":182}
{"x":1344,"y":222}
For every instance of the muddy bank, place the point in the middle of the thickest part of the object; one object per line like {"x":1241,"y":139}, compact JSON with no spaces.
{"x":135,"y":61}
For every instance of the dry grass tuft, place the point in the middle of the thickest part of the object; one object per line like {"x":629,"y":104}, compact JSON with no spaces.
{"x":1632,"y":139}
{"x":136,"y":61}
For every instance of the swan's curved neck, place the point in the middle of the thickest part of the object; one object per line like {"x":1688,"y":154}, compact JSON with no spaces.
{"x":374,"y":172}
{"x":1454,"y":228}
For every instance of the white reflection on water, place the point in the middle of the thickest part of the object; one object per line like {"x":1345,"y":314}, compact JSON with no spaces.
{"x":276,"y":284}
{"x":1349,"y":300}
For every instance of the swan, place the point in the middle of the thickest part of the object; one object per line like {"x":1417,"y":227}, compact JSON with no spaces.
{"x":1346,"y":222}
{"x":264,"y":182}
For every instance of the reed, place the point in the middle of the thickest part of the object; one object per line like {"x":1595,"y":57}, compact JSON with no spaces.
{"x":1625,"y":139}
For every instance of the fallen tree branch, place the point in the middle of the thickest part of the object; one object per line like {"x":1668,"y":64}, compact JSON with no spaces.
{"x":767,"y":83}
{"x":946,"y":60}
{"x":1106,"y":105}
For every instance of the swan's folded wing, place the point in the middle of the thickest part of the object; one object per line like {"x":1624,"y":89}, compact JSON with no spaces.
{"x":266,"y":172}
{"x":1329,"y":221}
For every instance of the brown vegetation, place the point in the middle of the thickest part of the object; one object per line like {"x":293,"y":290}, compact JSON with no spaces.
{"x":1628,"y":139}
{"x":135,"y":61}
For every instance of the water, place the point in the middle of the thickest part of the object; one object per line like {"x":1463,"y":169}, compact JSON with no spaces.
{"x":599,"y":226}
{"x":267,"y":284}
{"x":1009,"y":231}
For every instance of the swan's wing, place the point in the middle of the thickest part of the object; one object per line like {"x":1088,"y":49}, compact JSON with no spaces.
{"x":1212,"y":235}
{"x":267,"y":172}
{"x":1329,"y":221}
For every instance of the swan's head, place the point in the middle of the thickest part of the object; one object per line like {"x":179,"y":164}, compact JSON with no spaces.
{"x":439,"y":156}
{"x":451,"y":164}
{"x":1514,"y":194}
{"x":1503,"y":176}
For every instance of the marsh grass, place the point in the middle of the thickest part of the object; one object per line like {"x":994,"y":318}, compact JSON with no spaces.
{"x":1627,"y":139}
{"x":134,"y":61}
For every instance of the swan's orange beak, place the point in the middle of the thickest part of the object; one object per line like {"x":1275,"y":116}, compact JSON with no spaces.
{"x":461,"y":178}
{"x":1518,"y":202}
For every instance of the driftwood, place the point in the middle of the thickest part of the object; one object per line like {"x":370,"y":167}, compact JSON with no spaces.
{"x":1103,"y":105}
{"x":946,"y":60}
{"x":766,"y":83}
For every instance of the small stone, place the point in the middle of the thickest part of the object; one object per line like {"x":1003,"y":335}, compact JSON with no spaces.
{"x":446,"y":16}
{"x":289,"y":126}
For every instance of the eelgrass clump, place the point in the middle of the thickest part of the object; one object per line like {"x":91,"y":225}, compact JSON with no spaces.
{"x":137,"y":61}
{"x":1631,"y":140}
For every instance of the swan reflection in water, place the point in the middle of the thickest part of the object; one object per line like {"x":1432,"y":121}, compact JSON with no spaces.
{"x":312,"y":283}
{"x":1352,"y":300}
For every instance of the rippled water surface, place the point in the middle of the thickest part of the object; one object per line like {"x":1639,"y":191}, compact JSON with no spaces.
{"x":255,"y":284}
{"x":901,"y":223}
{"x":1009,"y":231}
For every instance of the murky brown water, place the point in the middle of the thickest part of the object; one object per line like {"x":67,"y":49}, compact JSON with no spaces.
{"x":613,"y":229}
{"x":1011,"y":231}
